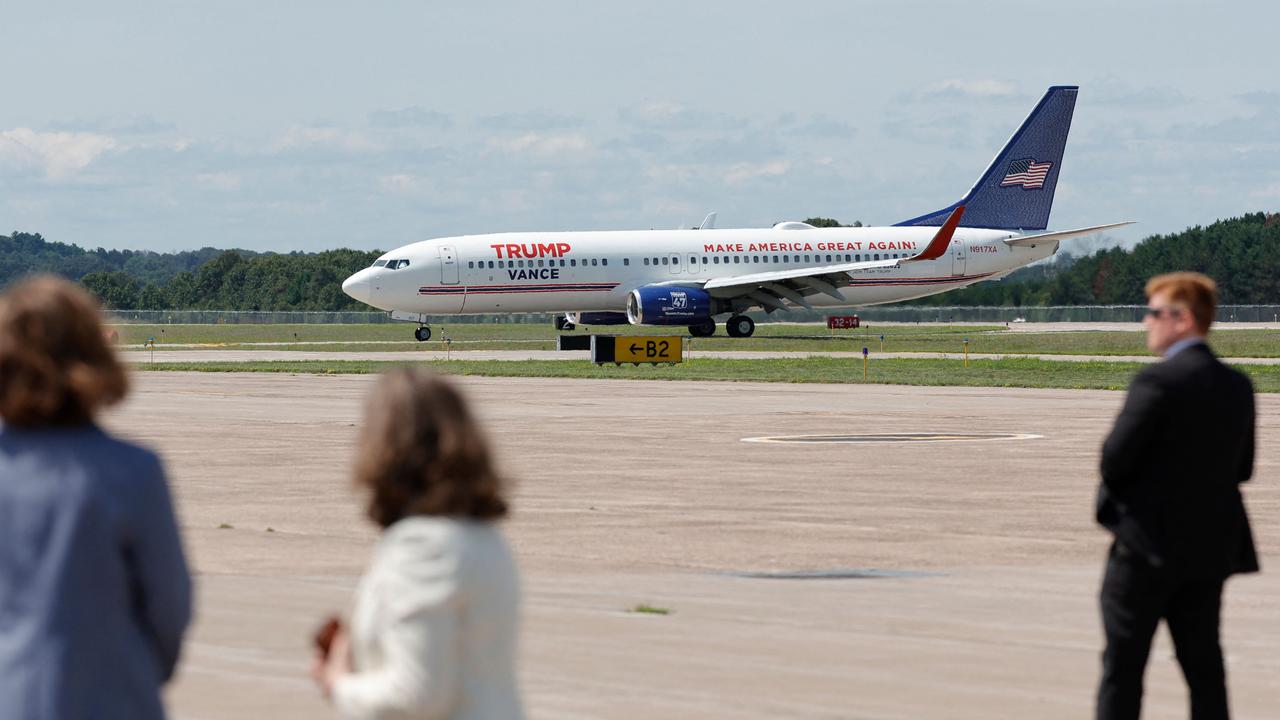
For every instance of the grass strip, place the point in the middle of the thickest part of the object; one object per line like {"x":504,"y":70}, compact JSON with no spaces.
{"x":1009,"y":372}
{"x":768,"y":338}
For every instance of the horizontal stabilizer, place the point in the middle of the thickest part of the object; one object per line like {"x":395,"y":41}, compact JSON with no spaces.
{"x":1029,"y":240}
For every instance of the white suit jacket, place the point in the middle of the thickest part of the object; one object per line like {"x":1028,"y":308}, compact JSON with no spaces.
{"x":434,"y":625}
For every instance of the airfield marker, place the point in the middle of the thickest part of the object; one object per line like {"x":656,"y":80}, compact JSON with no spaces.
{"x":865,"y":352}
{"x":966,"y":352}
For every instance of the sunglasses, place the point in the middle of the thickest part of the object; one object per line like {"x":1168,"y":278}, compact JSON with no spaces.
{"x":1159,"y":312}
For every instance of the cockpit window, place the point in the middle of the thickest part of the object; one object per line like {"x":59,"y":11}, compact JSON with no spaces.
{"x":392,"y":264}
{"x":379,"y":263}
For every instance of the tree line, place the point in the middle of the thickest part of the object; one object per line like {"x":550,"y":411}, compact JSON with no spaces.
{"x":1242,"y":254}
{"x":205,"y":279}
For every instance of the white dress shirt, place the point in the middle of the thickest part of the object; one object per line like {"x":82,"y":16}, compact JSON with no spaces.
{"x":434,"y":626}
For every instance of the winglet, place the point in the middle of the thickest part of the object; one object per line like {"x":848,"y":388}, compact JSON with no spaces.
{"x":938,"y":246}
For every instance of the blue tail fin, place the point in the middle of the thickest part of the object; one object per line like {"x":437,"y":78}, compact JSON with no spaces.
{"x":1016,"y":191}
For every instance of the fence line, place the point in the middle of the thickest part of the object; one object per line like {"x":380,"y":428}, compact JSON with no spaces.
{"x":880,"y":313}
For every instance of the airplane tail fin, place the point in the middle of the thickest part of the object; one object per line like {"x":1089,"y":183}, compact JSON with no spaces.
{"x":1016,"y":191}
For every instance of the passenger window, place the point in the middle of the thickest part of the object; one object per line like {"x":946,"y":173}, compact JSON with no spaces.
{"x":664,"y":261}
{"x":877,"y":256}
{"x":715,"y":260}
{"x":775,"y":258}
{"x":604,"y":261}
{"x":593,"y":262}
{"x":626,"y":261}
{"x":704,"y":259}
{"x":573,"y":262}
{"x":646,"y":261}
{"x":737,"y":259}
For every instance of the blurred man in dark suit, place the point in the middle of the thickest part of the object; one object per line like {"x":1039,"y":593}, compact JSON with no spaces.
{"x":1171,"y":470}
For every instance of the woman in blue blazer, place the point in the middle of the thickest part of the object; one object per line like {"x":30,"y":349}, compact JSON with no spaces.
{"x":94,"y":590}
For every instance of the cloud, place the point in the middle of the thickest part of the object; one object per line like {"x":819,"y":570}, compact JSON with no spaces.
{"x":529,"y":121}
{"x":666,"y":115}
{"x":543,"y":146}
{"x":218,"y":181}
{"x":399,"y":184}
{"x":138,"y":125}
{"x":302,"y":137}
{"x":1261,"y":100}
{"x":963,"y":89}
{"x":1115,"y":93}
{"x":1270,"y":192}
{"x":743,"y":173}
{"x":411,"y":117}
{"x":58,"y":154}
{"x":817,"y":127}
{"x":952,"y":130}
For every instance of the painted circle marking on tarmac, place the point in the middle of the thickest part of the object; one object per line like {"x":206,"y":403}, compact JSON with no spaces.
{"x":871,"y":438}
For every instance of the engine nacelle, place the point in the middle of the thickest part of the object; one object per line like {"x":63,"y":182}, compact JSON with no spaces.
{"x":597,"y":318}
{"x":669,"y":305}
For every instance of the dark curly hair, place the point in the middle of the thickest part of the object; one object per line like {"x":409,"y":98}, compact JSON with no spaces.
{"x":421,"y":453}
{"x":56,"y":368}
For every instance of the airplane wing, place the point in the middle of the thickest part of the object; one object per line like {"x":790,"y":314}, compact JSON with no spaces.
{"x":770,"y":290}
{"x":1032,"y":240}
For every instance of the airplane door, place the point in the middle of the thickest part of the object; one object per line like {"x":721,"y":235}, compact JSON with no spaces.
{"x":448,"y":265}
{"x":675,"y":264}
{"x":958,"y":257}
{"x":692,"y":263}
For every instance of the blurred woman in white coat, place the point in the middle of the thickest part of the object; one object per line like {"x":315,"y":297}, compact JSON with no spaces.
{"x":432,"y":632}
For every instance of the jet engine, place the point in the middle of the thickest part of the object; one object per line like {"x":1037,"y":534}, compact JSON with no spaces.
{"x":669,"y":305}
{"x":597,"y":318}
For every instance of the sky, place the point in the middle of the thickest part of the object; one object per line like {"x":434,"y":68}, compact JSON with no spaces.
{"x":310,"y":126}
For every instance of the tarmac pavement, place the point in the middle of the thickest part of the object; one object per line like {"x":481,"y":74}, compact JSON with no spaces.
{"x":644,"y":492}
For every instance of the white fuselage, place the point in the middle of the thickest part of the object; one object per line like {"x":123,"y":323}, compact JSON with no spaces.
{"x":595,"y":271}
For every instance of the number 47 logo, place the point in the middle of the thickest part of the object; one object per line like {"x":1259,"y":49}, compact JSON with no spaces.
{"x":679,"y":301}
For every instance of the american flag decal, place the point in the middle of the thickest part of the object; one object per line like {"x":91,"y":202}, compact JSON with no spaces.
{"x":1027,"y":173}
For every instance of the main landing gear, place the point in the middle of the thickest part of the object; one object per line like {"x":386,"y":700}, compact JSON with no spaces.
{"x":740,"y":326}
{"x":422,"y":334}
{"x":703,"y":329}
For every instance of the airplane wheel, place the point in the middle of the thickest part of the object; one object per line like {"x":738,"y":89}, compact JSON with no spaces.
{"x":706,"y":329}
{"x":740,"y":326}
{"x":568,"y":326}
{"x":422,"y":334}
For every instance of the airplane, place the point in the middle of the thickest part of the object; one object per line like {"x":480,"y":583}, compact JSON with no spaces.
{"x":692,"y":277}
